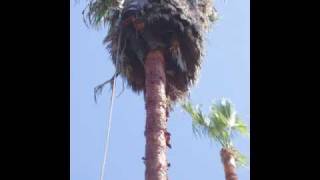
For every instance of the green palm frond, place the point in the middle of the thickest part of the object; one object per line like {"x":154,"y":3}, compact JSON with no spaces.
{"x":220,"y":125}
{"x":223,"y":107}
{"x":241,"y":127}
{"x":213,"y":16}
{"x":199,"y":121}
{"x":223,"y":113}
{"x":99,"y":12}
{"x":241,"y":160}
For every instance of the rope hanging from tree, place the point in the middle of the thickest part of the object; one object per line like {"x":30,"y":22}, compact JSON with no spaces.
{"x":97,"y":91}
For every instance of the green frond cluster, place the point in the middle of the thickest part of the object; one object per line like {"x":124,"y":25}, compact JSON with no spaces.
{"x":241,"y":160}
{"x":200,"y":122}
{"x":220,"y":125}
{"x":99,"y":12}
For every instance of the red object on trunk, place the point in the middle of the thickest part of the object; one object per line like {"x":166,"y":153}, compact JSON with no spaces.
{"x":156,"y":124}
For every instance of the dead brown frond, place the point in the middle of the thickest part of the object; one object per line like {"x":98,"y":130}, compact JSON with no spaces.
{"x":177,"y":27}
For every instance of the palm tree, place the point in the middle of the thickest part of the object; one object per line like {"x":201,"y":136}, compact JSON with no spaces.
{"x":156,"y":47}
{"x":220,"y":125}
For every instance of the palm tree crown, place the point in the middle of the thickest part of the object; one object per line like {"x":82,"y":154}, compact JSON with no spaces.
{"x":221,"y":124}
{"x":136,"y":27}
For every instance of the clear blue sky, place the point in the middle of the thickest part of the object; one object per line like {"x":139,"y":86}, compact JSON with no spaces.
{"x":225,"y":73}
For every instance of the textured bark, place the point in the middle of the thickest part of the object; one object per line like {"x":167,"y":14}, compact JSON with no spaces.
{"x":229,"y":167}
{"x":156,"y":124}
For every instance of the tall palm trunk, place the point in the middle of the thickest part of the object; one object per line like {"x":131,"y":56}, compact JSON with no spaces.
{"x":229,"y":164}
{"x":156,"y":123}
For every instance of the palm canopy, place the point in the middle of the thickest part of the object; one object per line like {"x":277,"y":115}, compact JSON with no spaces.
{"x":136,"y":27}
{"x":100,"y":12}
{"x":220,"y":125}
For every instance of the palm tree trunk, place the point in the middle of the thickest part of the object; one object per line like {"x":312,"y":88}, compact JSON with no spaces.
{"x":229,"y":164}
{"x":156,"y":124}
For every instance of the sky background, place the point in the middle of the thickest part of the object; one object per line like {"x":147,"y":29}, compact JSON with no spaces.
{"x":225,"y":73}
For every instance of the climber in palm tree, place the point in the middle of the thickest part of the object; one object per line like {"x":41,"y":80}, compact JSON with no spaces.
{"x":220,"y":125}
{"x":156,"y":47}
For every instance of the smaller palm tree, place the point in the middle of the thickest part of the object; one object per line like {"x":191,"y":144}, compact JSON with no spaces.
{"x":221,"y":124}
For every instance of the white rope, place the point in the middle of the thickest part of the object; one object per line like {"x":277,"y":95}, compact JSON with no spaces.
{"x":110,"y":113}
{"x":108,"y":131}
